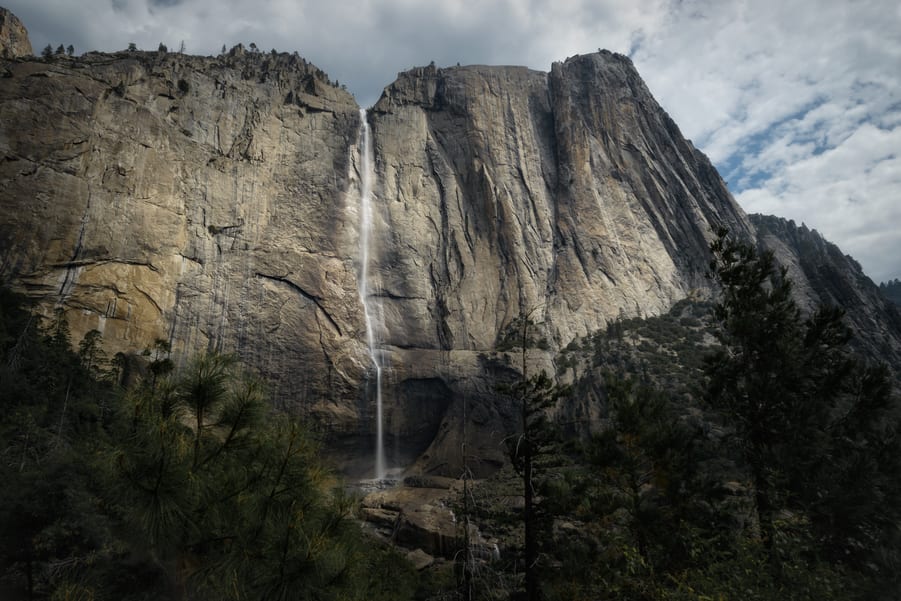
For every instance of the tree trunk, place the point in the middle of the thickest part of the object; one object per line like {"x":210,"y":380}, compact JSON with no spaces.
{"x":764,"y":506}
{"x":531,"y":542}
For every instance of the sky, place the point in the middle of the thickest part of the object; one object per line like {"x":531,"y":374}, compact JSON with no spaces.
{"x":797,"y":102}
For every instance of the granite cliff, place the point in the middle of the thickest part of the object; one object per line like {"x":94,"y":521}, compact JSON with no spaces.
{"x":14,"y":40}
{"x":823,"y":275}
{"x":215,"y":202}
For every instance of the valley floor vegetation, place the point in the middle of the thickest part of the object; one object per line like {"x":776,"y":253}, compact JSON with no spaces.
{"x":738,"y":450}
{"x":179,"y":486}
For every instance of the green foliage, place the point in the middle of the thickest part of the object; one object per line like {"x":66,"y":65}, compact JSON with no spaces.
{"x":760,"y":464}
{"x":91,"y":353}
{"x":891,"y":290}
{"x":534,"y":396}
{"x":230,"y":495}
{"x":817,"y":428}
{"x":50,"y":518}
{"x":185,"y":486}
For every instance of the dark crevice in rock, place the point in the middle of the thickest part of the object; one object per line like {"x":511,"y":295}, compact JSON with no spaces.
{"x":316,"y":300}
{"x":84,"y":262}
{"x":72,"y":264}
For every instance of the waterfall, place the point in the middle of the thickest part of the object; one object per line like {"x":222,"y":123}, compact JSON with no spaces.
{"x":366,"y":175}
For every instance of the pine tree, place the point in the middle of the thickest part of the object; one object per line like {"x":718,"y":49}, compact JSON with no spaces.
{"x":535,"y":395}
{"x":91,"y":353}
{"x":817,"y":427}
{"x":229,"y":495}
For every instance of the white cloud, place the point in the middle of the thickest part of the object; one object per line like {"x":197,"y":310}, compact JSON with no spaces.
{"x":799,"y":102}
{"x":850,"y":193}
{"x":803,"y":101}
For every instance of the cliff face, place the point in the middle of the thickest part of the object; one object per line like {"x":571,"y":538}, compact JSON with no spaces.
{"x":215,"y":203}
{"x":503,"y":191}
{"x":572,"y":192}
{"x":191,"y":199}
{"x":14,"y":41}
{"x":823,"y":275}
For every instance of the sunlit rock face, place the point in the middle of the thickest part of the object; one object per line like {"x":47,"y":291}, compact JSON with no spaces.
{"x":505,"y":189}
{"x":199,"y":200}
{"x":215,"y":202}
{"x":14,"y":42}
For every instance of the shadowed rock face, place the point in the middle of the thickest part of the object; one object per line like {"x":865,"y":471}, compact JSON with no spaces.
{"x":214,"y":202}
{"x":504,"y":191}
{"x":823,"y":275}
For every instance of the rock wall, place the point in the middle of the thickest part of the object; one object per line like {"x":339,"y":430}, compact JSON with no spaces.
{"x":823,"y":275}
{"x":214,"y":202}
{"x":504,"y":189}
{"x":569,"y":196}
{"x":14,"y":42}
{"x":203,"y":201}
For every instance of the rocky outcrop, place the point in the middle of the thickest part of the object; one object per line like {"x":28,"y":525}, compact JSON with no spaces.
{"x":570,"y":196}
{"x":214,"y":202}
{"x":199,"y":200}
{"x":823,"y":275}
{"x":419,"y":516}
{"x":14,"y":42}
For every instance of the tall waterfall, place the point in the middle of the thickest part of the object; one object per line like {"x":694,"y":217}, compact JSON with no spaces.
{"x":366,"y":176}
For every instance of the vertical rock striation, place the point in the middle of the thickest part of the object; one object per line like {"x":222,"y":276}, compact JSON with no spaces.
{"x":824,"y":275}
{"x":504,"y":191}
{"x":201,"y":200}
{"x":214,"y":202}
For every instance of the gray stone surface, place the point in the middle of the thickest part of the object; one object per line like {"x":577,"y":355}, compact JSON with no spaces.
{"x":14,"y":42}
{"x":214,"y":202}
{"x":823,"y":275}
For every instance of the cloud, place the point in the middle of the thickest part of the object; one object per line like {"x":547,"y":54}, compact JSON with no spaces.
{"x":799,"y":105}
{"x":850,"y":191}
{"x":791,"y":100}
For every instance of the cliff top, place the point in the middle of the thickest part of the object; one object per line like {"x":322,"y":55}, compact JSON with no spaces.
{"x":429,"y":85}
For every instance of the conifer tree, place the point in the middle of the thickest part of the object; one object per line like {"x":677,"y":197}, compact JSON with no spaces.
{"x":535,"y":395}
{"x":231,"y":496}
{"x":818,"y":428}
